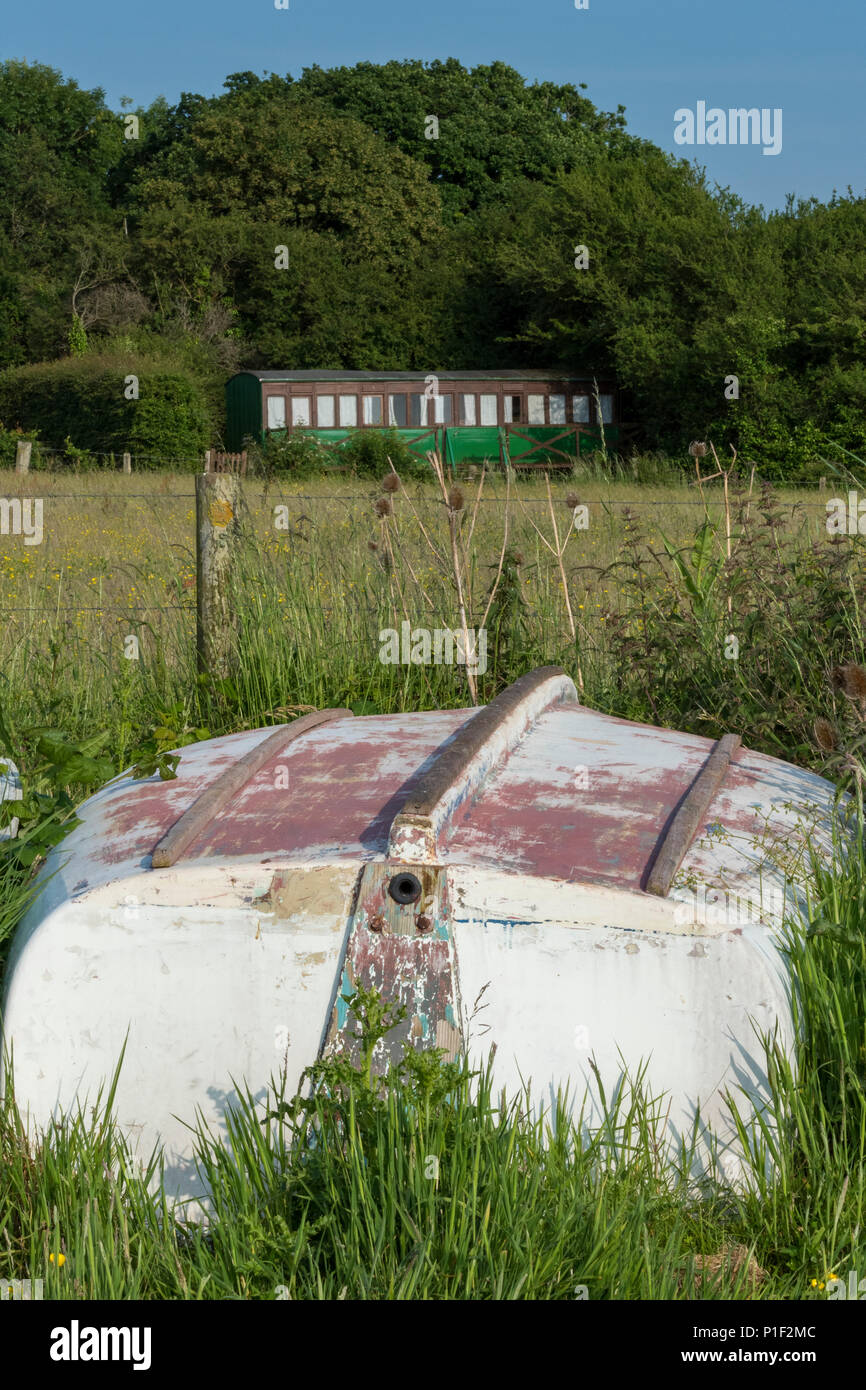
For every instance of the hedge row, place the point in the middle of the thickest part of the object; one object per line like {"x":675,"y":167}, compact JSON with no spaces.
{"x":84,"y":400}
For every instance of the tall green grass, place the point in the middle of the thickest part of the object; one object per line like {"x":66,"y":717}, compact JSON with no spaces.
{"x":655,"y":599}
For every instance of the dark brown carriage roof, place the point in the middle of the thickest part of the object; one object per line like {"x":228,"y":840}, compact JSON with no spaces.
{"x":482,"y":374}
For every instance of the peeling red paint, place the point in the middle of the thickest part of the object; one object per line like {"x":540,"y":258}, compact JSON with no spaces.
{"x":583,"y":797}
{"x":346,"y":782}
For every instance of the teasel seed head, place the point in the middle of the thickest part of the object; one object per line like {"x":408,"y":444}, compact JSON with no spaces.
{"x":851,"y":680}
{"x":824,"y":734}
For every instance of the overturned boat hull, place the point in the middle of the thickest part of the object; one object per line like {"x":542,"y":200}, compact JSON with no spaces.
{"x":592,"y":895}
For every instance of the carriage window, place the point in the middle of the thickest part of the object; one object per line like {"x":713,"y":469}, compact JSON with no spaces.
{"x":325,"y":412}
{"x":511,"y":406}
{"x":488,"y":411}
{"x":467,"y":410}
{"x":348,"y":411}
{"x":606,"y":403}
{"x":442,"y":409}
{"x":397,"y":414}
{"x":276,"y":412}
{"x":535,"y":406}
{"x":557,"y":410}
{"x":581,"y":409}
{"x":417,"y":409}
{"x":301,"y":410}
{"x":372,"y":410}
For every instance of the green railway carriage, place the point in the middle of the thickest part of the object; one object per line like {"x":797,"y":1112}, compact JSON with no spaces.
{"x":526,"y":418}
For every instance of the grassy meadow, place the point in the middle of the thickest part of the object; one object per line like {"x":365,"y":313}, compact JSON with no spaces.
{"x":642,"y":631}
{"x":718,"y":608}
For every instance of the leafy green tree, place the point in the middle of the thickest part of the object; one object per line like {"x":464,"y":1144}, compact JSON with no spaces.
{"x":57,"y":142}
{"x":678,"y":292}
{"x":494,"y":129}
{"x":358,"y":220}
{"x":77,"y":337}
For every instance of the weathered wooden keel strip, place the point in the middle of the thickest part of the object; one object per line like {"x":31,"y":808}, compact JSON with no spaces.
{"x":683,"y":828}
{"x":206,"y":807}
{"x":461,"y":768}
{"x":403,"y":947}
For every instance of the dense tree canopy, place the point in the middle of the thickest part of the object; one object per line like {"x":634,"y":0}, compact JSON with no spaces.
{"x":430,"y":217}
{"x":56,"y":144}
{"x":493,"y":130}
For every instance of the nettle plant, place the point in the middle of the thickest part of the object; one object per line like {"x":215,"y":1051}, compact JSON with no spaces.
{"x":345,"y":1097}
{"x":170,"y":730}
{"x":57,"y":772}
{"x":53,"y":771}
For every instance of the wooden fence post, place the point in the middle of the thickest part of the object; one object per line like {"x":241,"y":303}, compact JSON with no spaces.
{"x":217,"y":507}
{"x":22,"y":455}
{"x":127,"y":463}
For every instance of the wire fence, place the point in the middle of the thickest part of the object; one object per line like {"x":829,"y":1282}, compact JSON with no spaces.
{"x":105,"y":608}
{"x":275,"y":496}
{"x":718,"y":501}
{"x":107,"y":462}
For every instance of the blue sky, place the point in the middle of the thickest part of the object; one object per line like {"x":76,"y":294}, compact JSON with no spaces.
{"x":806,"y":58}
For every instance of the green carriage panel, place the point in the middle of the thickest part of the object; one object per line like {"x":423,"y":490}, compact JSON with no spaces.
{"x":243,"y":411}
{"x":476,"y":443}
